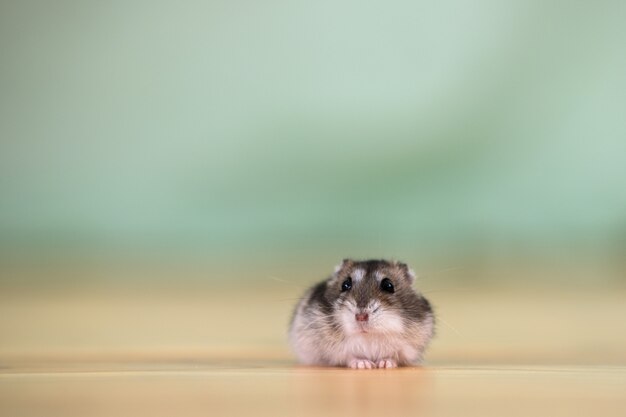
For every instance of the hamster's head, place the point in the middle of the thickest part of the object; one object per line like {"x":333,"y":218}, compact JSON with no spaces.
{"x":371,"y":296}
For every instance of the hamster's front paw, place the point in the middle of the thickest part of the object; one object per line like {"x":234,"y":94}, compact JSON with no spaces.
{"x":387,"y":363}
{"x":361,"y":364}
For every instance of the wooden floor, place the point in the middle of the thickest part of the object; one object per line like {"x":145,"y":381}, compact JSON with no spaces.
{"x":207,"y":352}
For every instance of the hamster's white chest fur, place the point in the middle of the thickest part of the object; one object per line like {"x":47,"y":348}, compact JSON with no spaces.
{"x":374,"y":348}
{"x":316,"y":344}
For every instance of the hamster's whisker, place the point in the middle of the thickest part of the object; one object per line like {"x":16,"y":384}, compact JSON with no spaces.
{"x":286,"y":282}
{"x":443,"y":289}
{"x":287,"y":299}
{"x":451,"y":327}
{"x":315,"y":322}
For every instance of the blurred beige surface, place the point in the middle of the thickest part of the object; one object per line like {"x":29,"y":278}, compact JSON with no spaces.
{"x":207,"y":351}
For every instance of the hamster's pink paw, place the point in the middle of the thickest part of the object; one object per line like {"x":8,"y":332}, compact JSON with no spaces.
{"x":361,"y":364}
{"x":387,"y":363}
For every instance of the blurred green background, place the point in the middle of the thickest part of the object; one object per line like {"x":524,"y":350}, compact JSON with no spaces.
{"x":283,"y":136}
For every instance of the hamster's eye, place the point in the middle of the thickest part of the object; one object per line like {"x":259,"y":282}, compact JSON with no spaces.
{"x":347,"y":284}
{"x":386,"y":285}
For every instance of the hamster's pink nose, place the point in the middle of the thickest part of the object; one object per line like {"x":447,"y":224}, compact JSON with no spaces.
{"x":361,"y":316}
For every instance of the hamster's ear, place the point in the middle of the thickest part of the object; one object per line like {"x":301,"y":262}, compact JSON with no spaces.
{"x":408,"y":272}
{"x":344,"y":264}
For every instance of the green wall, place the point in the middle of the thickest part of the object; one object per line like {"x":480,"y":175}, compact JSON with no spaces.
{"x":226,"y":129}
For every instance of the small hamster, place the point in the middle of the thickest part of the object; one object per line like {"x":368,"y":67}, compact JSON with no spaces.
{"x":365,"y":315}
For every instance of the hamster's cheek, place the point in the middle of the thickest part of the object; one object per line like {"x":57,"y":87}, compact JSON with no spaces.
{"x":388,"y":320}
{"x":346,"y":319}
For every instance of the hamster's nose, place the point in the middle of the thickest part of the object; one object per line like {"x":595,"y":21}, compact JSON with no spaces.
{"x":361,"y":316}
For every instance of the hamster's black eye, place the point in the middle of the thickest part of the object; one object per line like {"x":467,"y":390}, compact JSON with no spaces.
{"x":386,"y":285}
{"x":347,"y":284}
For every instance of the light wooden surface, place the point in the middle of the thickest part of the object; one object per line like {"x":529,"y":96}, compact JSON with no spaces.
{"x":223,"y":352}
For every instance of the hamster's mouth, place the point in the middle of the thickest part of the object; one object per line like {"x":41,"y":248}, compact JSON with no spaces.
{"x":363,"y":328}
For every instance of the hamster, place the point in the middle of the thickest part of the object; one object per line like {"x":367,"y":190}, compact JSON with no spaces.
{"x":365,"y":315}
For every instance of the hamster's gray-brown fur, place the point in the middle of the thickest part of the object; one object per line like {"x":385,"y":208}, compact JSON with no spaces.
{"x":366,"y":315}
